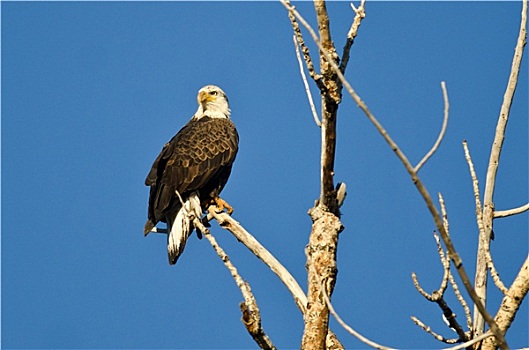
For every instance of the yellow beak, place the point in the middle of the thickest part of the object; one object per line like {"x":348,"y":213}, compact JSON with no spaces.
{"x":204,"y":97}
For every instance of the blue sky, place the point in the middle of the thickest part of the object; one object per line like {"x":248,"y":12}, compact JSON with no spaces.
{"x":92,"y":91}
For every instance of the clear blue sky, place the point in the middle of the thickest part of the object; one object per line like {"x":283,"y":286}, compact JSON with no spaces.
{"x":92,"y":91}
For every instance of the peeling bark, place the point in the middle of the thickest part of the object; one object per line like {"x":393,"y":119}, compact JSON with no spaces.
{"x":322,"y":270}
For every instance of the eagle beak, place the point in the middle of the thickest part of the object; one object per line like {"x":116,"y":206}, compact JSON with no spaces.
{"x":204,"y":97}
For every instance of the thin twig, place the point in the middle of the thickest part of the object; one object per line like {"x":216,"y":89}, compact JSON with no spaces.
{"x":441,"y":133}
{"x":483,"y":244}
{"x":306,"y":84}
{"x":494,"y":273}
{"x":444,"y":260}
{"x":470,"y":342}
{"x":475,"y":188}
{"x":251,"y":314}
{"x":360,"y":14}
{"x":461,"y":300}
{"x":251,"y":318}
{"x":456,"y":259}
{"x":419,"y":288}
{"x":428,"y":329}
{"x":438,"y":295}
{"x":346,"y":326}
{"x":509,"y":212}
{"x":318,"y":79}
{"x":446,"y":265}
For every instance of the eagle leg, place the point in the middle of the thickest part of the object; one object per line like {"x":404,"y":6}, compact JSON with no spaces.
{"x":221,"y":204}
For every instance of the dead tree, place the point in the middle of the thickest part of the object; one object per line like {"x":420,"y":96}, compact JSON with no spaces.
{"x":325,"y":237}
{"x":316,"y":305}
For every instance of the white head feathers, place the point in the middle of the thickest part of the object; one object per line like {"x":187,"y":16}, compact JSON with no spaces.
{"x":212,"y":102}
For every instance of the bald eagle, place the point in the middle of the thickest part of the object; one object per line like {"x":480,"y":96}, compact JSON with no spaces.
{"x":192,"y":169}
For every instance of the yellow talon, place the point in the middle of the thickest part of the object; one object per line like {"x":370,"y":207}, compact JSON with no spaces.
{"x":222,"y":204}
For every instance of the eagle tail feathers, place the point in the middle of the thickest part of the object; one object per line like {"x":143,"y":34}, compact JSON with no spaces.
{"x":182,"y":226}
{"x":148,"y":227}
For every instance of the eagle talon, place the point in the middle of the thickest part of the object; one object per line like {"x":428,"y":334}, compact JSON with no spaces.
{"x":221,"y":205}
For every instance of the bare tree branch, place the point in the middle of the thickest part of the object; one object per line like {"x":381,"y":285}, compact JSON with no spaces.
{"x":511,"y":303}
{"x":243,"y":236}
{"x":306,"y":53}
{"x":471,"y":342}
{"x":437,"y":296}
{"x":451,"y":321}
{"x":306,"y":84}
{"x":461,"y":300}
{"x":475,"y":187}
{"x":456,"y":259}
{"x":346,"y":326}
{"x":488,"y":197}
{"x":331,"y":97}
{"x":444,"y":282}
{"x":429,"y":330}
{"x":251,"y":315}
{"x":479,"y":217}
{"x":444,"y":260}
{"x":494,"y":273}
{"x":509,"y":212}
{"x":360,"y":14}
{"x":227,"y":222}
{"x":417,"y":286}
{"x":441,"y":133}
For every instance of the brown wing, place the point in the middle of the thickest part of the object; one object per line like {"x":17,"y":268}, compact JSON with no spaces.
{"x":199,"y":151}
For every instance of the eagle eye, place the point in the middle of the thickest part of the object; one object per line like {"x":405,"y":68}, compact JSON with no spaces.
{"x":214,"y":93}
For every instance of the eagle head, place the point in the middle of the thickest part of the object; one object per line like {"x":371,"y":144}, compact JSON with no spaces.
{"x":212,"y":102}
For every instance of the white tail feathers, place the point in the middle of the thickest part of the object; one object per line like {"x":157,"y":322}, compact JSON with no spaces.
{"x":182,"y":227}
